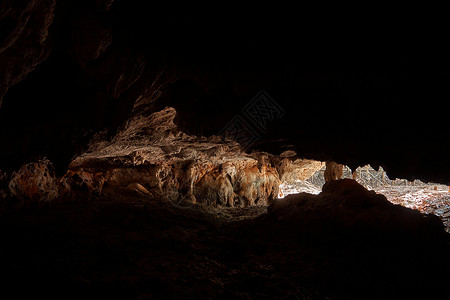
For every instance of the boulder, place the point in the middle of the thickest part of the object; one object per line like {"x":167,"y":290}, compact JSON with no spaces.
{"x":34,"y":182}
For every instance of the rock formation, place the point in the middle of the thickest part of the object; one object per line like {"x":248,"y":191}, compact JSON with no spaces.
{"x":152,"y":152}
{"x":333,"y":171}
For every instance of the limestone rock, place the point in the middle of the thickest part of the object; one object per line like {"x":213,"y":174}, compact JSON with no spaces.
{"x":213,"y":188}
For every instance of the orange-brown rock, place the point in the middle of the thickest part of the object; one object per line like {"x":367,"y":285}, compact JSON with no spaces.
{"x":291,"y":168}
{"x":151,"y":152}
{"x":333,"y":171}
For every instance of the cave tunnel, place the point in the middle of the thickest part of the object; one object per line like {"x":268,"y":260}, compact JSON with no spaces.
{"x":153,"y":151}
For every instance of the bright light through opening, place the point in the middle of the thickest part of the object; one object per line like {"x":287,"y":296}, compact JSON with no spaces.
{"x":297,"y":187}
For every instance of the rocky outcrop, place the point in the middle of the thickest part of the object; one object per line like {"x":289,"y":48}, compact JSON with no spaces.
{"x":151,"y":151}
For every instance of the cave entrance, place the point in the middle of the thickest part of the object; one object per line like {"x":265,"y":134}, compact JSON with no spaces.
{"x":430,"y":198}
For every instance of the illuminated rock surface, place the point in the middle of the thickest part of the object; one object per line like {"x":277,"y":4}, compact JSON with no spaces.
{"x":172,"y":165}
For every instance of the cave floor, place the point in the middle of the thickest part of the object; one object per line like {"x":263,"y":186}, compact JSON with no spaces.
{"x":132,"y":247}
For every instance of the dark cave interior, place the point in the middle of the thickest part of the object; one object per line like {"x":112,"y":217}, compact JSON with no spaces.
{"x":144,"y":146}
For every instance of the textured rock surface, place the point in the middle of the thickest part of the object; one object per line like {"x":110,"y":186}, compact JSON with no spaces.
{"x":291,"y":168}
{"x":153,"y":152}
{"x":333,"y":171}
{"x":34,"y":183}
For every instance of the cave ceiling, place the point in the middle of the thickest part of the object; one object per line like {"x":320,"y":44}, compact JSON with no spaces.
{"x":351,"y":93}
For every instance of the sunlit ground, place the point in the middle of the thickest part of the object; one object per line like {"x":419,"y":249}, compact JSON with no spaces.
{"x":298,"y":186}
{"x":428,"y":198}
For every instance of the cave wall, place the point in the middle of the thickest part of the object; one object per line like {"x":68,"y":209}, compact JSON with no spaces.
{"x":73,"y":68}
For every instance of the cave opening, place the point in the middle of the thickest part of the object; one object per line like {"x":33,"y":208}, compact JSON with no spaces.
{"x":148,"y":151}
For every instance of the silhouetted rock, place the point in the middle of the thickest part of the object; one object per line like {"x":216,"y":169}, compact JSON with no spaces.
{"x":346,"y":207}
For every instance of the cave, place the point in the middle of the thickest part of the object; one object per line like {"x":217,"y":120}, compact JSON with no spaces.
{"x":150,"y":150}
